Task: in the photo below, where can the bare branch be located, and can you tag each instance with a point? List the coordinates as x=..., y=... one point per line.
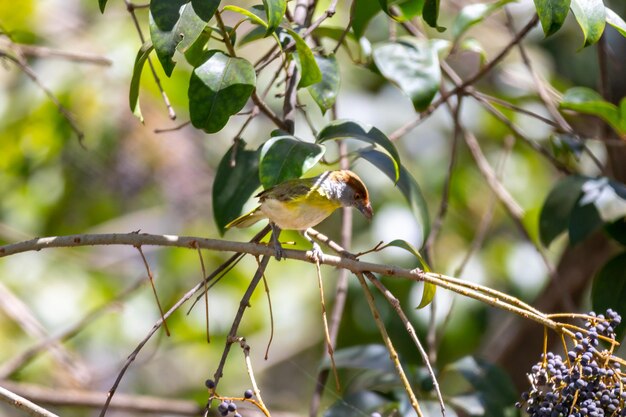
x=23, y=404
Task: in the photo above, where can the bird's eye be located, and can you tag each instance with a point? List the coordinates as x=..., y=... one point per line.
x=358, y=197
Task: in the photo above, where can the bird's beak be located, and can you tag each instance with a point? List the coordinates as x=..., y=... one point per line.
x=366, y=209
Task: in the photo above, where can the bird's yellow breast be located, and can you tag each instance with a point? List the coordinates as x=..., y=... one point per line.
x=297, y=214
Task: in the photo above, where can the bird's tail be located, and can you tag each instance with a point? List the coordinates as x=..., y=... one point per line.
x=247, y=219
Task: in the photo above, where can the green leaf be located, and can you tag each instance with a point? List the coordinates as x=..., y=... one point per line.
x=275, y=10
x=616, y=21
x=197, y=52
x=362, y=13
x=552, y=14
x=349, y=129
x=253, y=17
x=234, y=185
x=173, y=23
x=587, y=101
x=413, y=66
x=375, y=357
x=205, y=9
x=473, y=14
x=493, y=386
x=140, y=60
x=102, y=4
x=555, y=213
x=407, y=185
x=219, y=88
x=473, y=45
x=285, y=157
x=609, y=289
x=430, y=14
x=325, y=92
x=584, y=220
x=310, y=72
x=591, y=17
x=407, y=9
x=257, y=32
x=429, y=289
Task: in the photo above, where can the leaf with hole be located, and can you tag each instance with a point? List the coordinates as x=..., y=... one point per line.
x=609, y=289
x=407, y=185
x=218, y=89
x=234, y=185
x=325, y=92
x=552, y=14
x=350, y=129
x=173, y=23
x=591, y=17
x=412, y=65
x=133, y=95
x=285, y=157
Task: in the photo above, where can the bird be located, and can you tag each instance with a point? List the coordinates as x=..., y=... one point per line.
x=299, y=204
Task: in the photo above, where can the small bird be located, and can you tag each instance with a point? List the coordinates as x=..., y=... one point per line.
x=302, y=203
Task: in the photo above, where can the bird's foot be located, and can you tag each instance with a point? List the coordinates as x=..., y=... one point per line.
x=316, y=252
x=278, y=249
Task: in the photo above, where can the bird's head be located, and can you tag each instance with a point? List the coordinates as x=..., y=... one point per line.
x=351, y=191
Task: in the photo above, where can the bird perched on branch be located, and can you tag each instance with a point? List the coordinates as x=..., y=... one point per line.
x=302, y=203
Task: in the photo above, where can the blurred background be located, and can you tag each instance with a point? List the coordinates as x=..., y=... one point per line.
x=125, y=177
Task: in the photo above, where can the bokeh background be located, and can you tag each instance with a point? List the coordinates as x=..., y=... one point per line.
x=125, y=177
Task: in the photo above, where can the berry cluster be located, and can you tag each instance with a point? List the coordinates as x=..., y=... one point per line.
x=588, y=382
x=228, y=406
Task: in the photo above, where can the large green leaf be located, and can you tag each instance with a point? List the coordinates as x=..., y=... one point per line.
x=349, y=129
x=205, y=9
x=616, y=21
x=407, y=185
x=429, y=289
x=275, y=10
x=583, y=221
x=362, y=13
x=555, y=213
x=591, y=17
x=587, y=101
x=325, y=92
x=133, y=96
x=285, y=157
x=552, y=14
x=173, y=23
x=473, y=14
x=407, y=9
x=609, y=289
x=413, y=65
x=197, y=52
x=234, y=185
x=219, y=88
x=310, y=72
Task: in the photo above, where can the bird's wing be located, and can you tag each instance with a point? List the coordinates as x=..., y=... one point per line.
x=247, y=220
x=288, y=190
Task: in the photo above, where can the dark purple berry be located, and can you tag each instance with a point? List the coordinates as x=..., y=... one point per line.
x=248, y=394
x=209, y=383
x=232, y=407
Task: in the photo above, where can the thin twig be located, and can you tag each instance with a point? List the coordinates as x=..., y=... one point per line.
x=403, y=130
x=26, y=69
x=206, y=296
x=395, y=304
x=245, y=347
x=21, y=403
x=154, y=291
x=329, y=343
x=130, y=7
x=45, y=52
x=389, y=344
x=173, y=129
x=243, y=304
x=16, y=363
x=271, y=312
